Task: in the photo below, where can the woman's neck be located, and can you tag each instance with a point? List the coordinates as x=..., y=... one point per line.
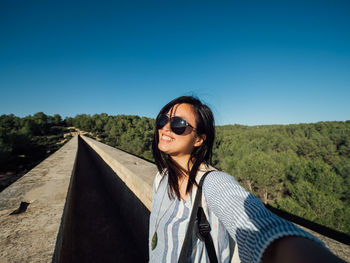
x=183, y=163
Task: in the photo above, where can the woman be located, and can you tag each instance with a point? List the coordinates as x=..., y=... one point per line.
x=182, y=150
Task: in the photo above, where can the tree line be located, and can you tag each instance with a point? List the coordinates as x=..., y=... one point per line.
x=130, y=133
x=26, y=141
x=303, y=169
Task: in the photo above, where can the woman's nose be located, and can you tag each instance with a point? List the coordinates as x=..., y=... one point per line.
x=166, y=127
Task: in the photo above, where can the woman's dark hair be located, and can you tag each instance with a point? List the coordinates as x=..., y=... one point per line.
x=204, y=125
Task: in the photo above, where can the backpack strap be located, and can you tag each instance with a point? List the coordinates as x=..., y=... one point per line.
x=203, y=226
x=204, y=235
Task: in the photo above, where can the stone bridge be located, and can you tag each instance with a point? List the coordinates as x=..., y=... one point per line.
x=88, y=202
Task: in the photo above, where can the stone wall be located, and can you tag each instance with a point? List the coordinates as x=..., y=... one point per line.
x=104, y=220
x=30, y=236
x=136, y=173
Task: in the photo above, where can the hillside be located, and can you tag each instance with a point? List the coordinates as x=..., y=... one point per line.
x=303, y=169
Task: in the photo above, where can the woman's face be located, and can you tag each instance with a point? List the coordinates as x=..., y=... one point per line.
x=179, y=146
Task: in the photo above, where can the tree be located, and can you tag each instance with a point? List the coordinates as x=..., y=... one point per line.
x=57, y=120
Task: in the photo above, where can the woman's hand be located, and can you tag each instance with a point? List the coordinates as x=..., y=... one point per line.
x=298, y=250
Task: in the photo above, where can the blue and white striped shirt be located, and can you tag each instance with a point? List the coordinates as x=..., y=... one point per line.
x=235, y=217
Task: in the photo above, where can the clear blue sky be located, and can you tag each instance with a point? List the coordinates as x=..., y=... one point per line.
x=253, y=62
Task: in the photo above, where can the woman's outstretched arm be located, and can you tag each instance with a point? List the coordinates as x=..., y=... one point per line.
x=257, y=231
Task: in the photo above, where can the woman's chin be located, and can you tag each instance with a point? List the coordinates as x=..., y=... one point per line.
x=163, y=148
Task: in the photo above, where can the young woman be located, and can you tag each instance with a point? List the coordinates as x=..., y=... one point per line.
x=182, y=149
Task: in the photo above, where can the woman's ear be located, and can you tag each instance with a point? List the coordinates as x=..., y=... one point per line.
x=200, y=139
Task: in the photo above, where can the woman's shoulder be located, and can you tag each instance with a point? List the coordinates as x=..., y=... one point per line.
x=215, y=176
x=218, y=183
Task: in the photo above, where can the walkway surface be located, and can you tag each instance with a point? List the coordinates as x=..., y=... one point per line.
x=31, y=236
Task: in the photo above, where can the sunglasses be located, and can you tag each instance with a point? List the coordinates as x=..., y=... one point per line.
x=178, y=125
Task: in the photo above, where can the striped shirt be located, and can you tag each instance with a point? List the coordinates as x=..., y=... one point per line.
x=235, y=216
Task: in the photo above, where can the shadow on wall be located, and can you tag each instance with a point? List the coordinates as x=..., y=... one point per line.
x=103, y=220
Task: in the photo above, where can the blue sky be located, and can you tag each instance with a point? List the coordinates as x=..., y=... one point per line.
x=253, y=62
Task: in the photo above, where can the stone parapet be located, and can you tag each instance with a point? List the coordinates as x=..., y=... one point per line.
x=136, y=173
x=31, y=236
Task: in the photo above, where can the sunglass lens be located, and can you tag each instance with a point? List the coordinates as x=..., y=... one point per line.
x=162, y=120
x=178, y=125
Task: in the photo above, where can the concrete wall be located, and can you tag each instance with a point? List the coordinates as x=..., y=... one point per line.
x=136, y=173
x=31, y=236
x=104, y=220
